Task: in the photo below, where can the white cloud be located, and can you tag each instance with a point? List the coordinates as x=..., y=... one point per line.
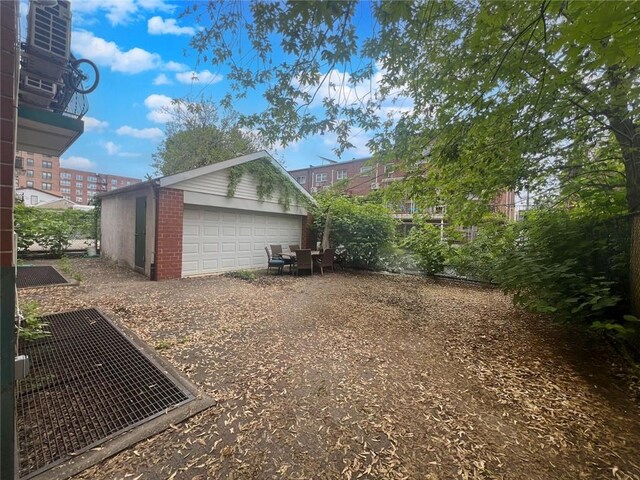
x=159, y=108
x=359, y=140
x=93, y=124
x=81, y=163
x=109, y=54
x=158, y=26
x=112, y=148
x=120, y=12
x=162, y=79
x=205, y=76
x=146, y=133
x=175, y=66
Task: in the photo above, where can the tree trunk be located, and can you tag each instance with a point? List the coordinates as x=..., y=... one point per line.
x=628, y=135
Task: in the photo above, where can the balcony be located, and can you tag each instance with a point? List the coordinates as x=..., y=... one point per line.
x=47, y=132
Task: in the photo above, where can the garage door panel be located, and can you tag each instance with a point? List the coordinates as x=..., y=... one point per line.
x=217, y=240
x=228, y=247
x=210, y=248
x=209, y=215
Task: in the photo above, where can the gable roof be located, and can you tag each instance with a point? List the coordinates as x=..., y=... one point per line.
x=22, y=189
x=216, y=167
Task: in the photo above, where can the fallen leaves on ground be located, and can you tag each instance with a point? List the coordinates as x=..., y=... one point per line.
x=358, y=376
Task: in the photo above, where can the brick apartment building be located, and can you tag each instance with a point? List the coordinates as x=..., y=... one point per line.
x=364, y=175
x=361, y=176
x=35, y=170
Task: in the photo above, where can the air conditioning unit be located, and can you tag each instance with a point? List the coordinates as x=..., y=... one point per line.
x=375, y=185
x=37, y=91
x=47, y=49
x=49, y=30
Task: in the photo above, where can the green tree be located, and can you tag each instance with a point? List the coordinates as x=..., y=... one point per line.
x=364, y=229
x=502, y=94
x=196, y=136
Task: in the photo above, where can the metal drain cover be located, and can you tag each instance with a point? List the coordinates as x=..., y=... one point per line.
x=38, y=277
x=87, y=383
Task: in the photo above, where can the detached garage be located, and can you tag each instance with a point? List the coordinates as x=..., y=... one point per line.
x=192, y=223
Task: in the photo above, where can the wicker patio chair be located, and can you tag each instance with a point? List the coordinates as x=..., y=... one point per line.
x=326, y=260
x=273, y=262
x=303, y=261
x=293, y=248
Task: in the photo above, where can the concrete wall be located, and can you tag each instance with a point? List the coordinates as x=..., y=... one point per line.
x=118, y=227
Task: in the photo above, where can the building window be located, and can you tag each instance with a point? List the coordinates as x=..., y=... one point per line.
x=65, y=175
x=92, y=179
x=47, y=164
x=79, y=200
x=47, y=186
x=366, y=168
x=103, y=180
x=129, y=183
x=34, y=199
x=29, y=173
x=90, y=195
x=65, y=183
x=79, y=178
x=30, y=162
x=29, y=184
x=65, y=190
x=79, y=185
x=301, y=180
x=114, y=181
x=67, y=197
x=47, y=175
x=321, y=177
x=341, y=175
x=92, y=186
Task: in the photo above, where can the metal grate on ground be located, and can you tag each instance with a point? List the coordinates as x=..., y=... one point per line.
x=87, y=383
x=38, y=277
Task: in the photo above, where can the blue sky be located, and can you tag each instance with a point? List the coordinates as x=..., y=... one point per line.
x=139, y=47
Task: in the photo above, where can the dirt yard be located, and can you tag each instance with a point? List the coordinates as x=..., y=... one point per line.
x=356, y=375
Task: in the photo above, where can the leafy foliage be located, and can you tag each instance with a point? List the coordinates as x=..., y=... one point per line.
x=51, y=229
x=425, y=241
x=246, y=275
x=480, y=258
x=364, y=229
x=32, y=327
x=568, y=262
x=269, y=180
x=196, y=136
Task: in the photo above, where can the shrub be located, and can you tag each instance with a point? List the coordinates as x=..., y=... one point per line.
x=425, y=241
x=243, y=275
x=365, y=229
x=32, y=327
x=51, y=229
x=479, y=259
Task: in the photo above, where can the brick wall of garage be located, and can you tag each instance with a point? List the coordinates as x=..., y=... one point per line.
x=168, y=255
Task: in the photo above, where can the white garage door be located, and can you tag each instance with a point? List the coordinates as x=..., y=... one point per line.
x=218, y=239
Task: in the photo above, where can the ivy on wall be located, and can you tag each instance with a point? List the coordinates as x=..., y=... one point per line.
x=270, y=181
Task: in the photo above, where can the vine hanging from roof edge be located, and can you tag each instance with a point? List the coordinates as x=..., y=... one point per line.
x=269, y=181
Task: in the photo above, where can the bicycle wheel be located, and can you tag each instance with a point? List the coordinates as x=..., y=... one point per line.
x=86, y=73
